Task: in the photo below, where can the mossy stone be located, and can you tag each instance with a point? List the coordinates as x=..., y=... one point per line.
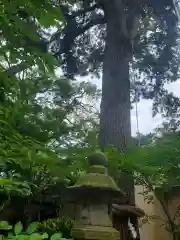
x=97, y=179
x=98, y=158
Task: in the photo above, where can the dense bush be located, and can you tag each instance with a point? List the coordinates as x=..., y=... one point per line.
x=31, y=233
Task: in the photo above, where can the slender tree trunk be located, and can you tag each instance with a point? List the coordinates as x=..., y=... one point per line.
x=115, y=121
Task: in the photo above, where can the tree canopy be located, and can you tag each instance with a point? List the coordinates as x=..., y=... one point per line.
x=81, y=42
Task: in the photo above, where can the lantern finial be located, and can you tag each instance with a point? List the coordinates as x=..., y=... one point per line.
x=98, y=158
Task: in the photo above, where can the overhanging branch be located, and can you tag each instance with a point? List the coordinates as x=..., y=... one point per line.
x=99, y=19
x=71, y=32
x=12, y=71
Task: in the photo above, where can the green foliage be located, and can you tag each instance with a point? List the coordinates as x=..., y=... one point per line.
x=11, y=186
x=5, y=226
x=24, y=44
x=47, y=122
x=156, y=167
x=61, y=224
x=31, y=233
x=157, y=162
x=25, y=161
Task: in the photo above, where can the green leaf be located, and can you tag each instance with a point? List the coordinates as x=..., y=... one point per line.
x=10, y=235
x=35, y=236
x=5, y=225
x=22, y=237
x=32, y=228
x=44, y=236
x=18, y=228
x=56, y=236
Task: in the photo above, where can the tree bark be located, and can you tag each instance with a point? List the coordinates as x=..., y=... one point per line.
x=115, y=121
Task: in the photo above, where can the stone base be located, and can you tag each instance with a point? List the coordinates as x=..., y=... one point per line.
x=95, y=233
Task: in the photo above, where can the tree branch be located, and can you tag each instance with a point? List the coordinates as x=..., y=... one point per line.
x=72, y=32
x=99, y=19
x=12, y=71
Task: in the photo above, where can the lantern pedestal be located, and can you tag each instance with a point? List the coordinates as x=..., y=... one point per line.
x=95, y=233
x=94, y=223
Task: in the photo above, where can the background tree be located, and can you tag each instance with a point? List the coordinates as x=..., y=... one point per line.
x=117, y=40
x=28, y=71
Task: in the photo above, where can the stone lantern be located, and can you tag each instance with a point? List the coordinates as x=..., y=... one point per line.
x=94, y=193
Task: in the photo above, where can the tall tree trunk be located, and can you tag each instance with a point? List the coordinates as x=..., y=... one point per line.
x=115, y=121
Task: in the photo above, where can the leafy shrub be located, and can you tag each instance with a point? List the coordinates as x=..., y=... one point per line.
x=31, y=233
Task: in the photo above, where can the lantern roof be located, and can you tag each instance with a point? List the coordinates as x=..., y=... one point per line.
x=127, y=210
x=97, y=179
